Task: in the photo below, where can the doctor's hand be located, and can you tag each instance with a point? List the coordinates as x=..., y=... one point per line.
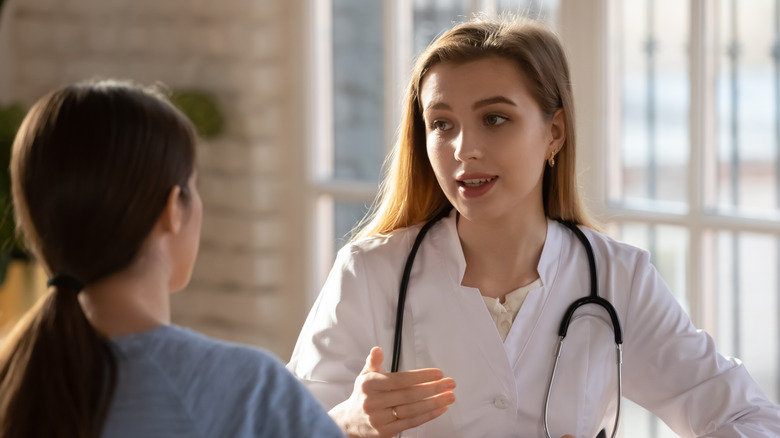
x=385, y=404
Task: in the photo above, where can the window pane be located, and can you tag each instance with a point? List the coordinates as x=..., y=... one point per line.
x=654, y=135
x=746, y=303
x=745, y=169
x=358, y=89
x=432, y=17
x=346, y=215
x=545, y=10
x=636, y=422
x=668, y=247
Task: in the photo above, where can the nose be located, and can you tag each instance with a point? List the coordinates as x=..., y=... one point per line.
x=467, y=146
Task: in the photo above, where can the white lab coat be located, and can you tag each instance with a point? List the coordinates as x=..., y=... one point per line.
x=669, y=367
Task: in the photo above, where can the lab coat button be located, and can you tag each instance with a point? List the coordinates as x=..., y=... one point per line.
x=501, y=402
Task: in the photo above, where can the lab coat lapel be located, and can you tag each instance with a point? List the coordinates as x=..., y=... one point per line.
x=528, y=318
x=476, y=325
x=453, y=330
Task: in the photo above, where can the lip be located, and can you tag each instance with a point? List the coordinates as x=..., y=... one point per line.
x=468, y=190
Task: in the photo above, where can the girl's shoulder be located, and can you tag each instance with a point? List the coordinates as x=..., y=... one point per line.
x=173, y=348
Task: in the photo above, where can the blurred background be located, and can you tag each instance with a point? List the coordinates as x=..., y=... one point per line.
x=678, y=123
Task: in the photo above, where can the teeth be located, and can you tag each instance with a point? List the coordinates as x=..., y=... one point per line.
x=476, y=182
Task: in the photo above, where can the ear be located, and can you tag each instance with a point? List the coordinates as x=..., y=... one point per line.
x=172, y=217
x=557, y=132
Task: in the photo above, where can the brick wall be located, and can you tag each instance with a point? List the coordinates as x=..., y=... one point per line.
x=249, y=279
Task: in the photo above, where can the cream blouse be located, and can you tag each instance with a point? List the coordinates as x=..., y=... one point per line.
x=504, y=314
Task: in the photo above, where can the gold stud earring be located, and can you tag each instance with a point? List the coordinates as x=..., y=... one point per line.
x=551, y=160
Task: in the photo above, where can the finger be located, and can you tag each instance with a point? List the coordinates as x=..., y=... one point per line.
x=411, y=394
x=417, y=408
x=374, y=361
x=404, y=379
x=568, y=436
x=403, y=424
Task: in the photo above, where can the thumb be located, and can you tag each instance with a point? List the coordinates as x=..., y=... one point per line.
x=374, y=361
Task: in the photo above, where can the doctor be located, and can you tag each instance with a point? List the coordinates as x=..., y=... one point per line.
x=487, y=141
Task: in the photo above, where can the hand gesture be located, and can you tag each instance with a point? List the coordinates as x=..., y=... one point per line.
x=385, y=404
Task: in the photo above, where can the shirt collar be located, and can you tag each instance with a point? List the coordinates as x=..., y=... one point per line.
x=444, y=237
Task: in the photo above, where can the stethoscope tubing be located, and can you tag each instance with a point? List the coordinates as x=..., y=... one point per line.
x=399, y=313
x=592, y=298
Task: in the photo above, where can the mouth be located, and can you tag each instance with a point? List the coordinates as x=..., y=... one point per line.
x=476, y=182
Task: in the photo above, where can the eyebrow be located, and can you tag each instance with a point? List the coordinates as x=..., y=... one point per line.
x=437, y=106
x=477, y=105
x=492, y=100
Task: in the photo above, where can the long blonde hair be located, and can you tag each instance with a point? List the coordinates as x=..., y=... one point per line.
x=409, y=193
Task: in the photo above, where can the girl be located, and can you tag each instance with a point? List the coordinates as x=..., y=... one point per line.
x=104, y=186
x=487, y=144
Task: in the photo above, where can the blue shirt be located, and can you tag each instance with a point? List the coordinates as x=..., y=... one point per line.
x=174, y=382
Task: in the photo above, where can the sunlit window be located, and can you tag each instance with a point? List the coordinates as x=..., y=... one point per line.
x=698, y=162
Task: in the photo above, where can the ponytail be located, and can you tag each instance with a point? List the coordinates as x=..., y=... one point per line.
x=91, y=170
x=57, y=374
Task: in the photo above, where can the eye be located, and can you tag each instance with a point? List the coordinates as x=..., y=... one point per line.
x=440, y=125
x=494, y=119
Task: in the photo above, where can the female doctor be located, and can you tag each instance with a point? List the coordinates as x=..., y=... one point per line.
x=487, y=144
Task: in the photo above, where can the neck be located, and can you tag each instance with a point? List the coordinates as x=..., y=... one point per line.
x=130, y=301
x=502, y=255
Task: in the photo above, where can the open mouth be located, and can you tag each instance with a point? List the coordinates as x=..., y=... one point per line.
x=476, y=182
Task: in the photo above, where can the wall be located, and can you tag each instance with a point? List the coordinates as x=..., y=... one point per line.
x=248, y=285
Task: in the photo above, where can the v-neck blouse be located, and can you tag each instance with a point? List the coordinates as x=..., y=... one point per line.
x=504, y=314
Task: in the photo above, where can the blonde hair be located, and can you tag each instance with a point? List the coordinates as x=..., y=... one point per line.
x=409, y=193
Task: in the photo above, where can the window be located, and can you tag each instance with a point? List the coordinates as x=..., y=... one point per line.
x=694, y=168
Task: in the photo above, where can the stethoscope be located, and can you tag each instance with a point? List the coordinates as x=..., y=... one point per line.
x=592, y=298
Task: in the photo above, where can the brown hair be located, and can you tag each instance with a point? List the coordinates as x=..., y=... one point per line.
x=91, y=169
x=409, y=193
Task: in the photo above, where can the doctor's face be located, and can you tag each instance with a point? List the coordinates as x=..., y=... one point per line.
x=487, y=138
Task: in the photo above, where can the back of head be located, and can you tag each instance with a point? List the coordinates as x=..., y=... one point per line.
x=410, y=193
x=92, y=167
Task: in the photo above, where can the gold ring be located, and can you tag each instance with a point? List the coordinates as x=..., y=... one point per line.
x=395, y=415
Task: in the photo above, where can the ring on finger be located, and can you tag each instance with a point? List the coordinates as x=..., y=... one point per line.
x=395, y=414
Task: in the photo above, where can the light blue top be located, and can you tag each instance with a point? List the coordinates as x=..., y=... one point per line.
x=174, y=382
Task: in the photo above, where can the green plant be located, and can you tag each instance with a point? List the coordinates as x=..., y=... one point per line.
x=202, y=110
x=11, y=246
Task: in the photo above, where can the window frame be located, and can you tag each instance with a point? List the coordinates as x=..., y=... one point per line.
x=588, y=30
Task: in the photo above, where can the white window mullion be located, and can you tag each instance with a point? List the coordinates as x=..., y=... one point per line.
x=702, y=129
x=321, y=78
x=321, y=153
x=398, y=29
x=584, y=30
x=609, y=176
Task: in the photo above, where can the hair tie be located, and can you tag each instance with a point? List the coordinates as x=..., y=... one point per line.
x=65, y=282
